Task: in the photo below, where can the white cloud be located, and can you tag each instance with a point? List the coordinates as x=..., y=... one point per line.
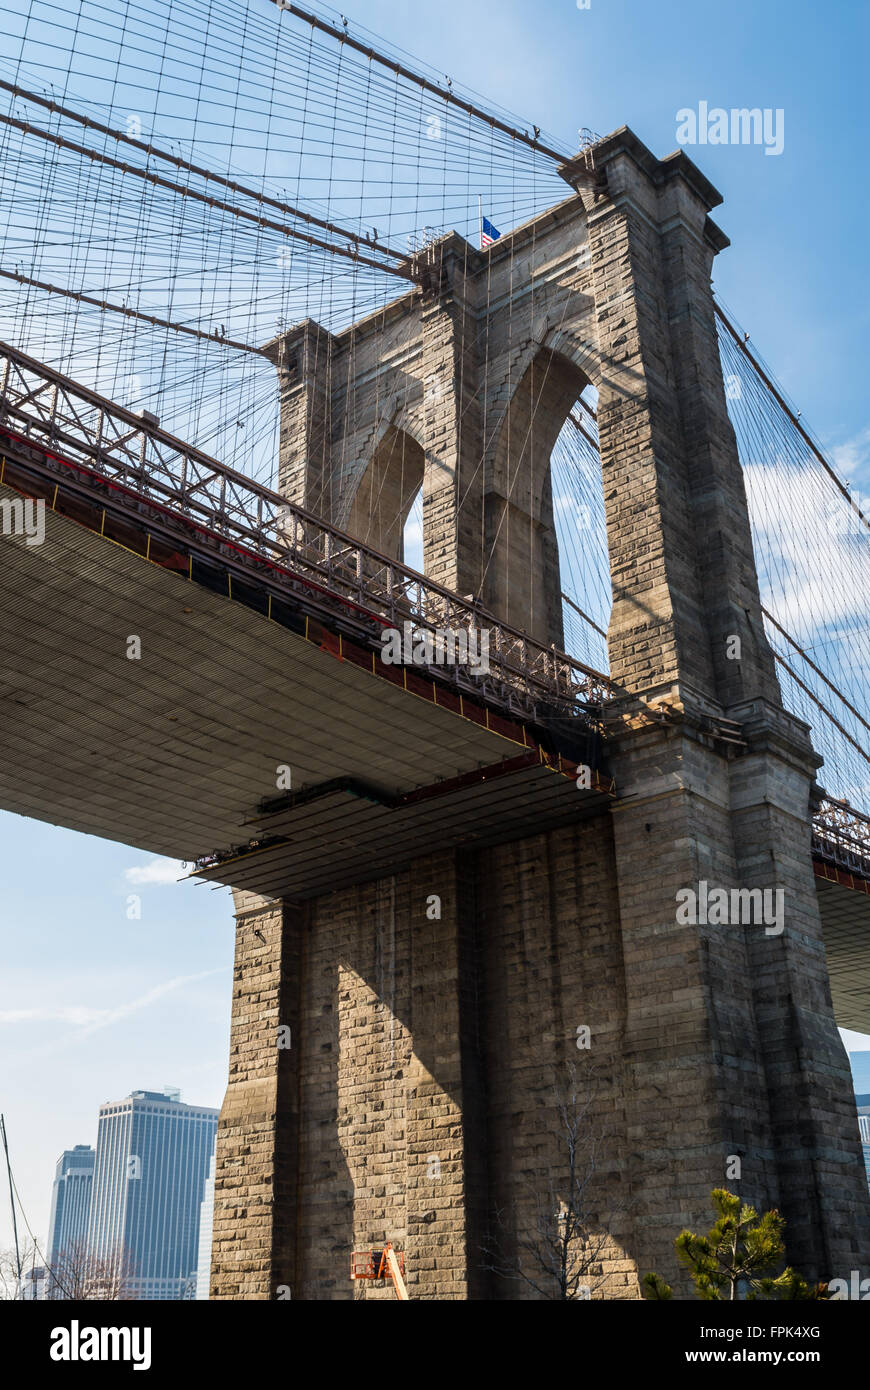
x=806, y=552
x=77, y=1015
x=852, y=459
x=155, y=871
x=89, y=1020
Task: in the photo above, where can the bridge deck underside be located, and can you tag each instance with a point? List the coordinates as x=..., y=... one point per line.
x=175, y=751
x=343, y=838
x=846, y=925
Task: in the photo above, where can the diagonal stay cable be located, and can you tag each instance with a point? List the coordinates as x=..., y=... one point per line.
x=350, y=252
x=783, y=404
x=585, y=616
x=829, y=683
x=445, y=93
x=154, y=151
x=816, y=701
x=107, y=307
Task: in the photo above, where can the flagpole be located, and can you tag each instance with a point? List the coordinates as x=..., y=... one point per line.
x=480, y=218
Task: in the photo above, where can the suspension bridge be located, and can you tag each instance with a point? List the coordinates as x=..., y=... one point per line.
x=276, y=400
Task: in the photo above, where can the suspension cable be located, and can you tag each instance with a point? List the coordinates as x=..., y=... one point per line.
x=808, y=659
x=445, y=93
x=351, y=252
x=780, y=400
x=107, y=307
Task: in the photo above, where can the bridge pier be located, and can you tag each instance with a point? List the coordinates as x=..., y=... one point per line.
x=736, y=1075
x=415, y=1101
x=362, y=1125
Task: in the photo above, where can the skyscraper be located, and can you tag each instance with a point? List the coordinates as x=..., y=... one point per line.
x=152, y=1158
x=206, y=1226
x=70, y=1201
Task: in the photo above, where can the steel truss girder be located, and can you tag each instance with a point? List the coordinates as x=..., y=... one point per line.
x=129, y=451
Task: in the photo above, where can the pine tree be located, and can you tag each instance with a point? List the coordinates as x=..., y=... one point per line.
x=737, y=1257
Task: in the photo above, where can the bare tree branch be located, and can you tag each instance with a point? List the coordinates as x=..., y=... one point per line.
x=79, y=1274
x=555, y=1241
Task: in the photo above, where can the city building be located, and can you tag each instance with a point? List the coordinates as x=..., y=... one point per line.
x=206, y=1224
x=152, y=1159
x=33, y=1284
x=70, y=1202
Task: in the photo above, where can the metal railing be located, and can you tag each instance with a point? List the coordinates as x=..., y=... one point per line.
x=45, y=407
x=842, y=835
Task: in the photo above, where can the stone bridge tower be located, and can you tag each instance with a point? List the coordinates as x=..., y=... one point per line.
x=417, y=1098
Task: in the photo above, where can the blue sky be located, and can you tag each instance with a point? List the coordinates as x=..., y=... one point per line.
x=796, y=269
x=93, y=1004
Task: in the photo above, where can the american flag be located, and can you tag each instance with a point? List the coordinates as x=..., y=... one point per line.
x=488, y=233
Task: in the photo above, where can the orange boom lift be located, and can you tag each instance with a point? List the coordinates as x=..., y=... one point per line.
x=364, y=1264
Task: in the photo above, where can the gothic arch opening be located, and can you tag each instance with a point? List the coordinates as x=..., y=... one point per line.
x=387, y=492
x=547, y=565
x=581, y=534
x=412, y=535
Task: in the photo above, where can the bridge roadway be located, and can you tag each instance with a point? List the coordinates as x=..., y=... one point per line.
x=260, y=630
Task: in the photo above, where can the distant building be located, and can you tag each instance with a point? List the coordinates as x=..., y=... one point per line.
x=33, y=1284
x=860, y=1066
x=152, y=1159
x=864, y=1127
x=206, y=1225
x=70, y=1202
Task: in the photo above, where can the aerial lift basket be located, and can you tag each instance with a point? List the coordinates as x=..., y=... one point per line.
x=389, y=1263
